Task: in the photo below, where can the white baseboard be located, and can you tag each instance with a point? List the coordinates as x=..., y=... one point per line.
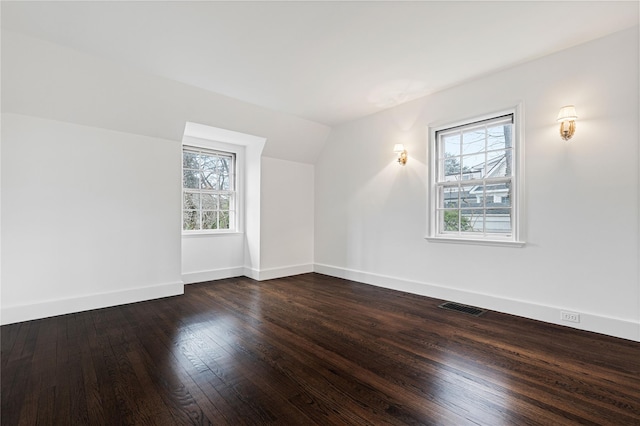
x=286, y=271
x=616, y=327
x=214, y=274
x=280, y=272
x=252, y=273
x=13, y=314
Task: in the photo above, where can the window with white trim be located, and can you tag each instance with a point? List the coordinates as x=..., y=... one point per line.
x=474, y=186
x=208, y=190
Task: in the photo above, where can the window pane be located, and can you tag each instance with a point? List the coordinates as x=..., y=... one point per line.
x=472, y=220
x=498, y=221
x=499, y=163
x=224, y=164
x=209, y=202
x=208, y=163
x=448, y=197
x=190, y=179
x=189, y=160
x=208, y=180
x=450, y=220
x=209, y=220
x=476, y=196
x=496, y=137
x=451, y=146
x=190, y=220
x=469, y=197
x=451, y=169
x=224, y=183
x=224, y=202
x=473, y=141
x=498, y=195
x=191, y=201
x=225, y=172
x=473, y=164
x=224, y=220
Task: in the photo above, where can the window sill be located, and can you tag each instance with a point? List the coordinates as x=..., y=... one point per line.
x=210, y=234
x=480, y=242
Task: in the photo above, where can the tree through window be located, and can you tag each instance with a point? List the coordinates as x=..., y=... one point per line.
x=209, y=193
x=474, y=181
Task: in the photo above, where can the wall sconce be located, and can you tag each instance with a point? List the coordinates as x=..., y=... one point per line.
x=402, y=153
x=567, y=119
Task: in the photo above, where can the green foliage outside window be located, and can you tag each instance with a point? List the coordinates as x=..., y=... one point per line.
x=452, y=219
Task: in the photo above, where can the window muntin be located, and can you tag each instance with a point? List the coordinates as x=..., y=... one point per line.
x=474, y=180
x=208, y=190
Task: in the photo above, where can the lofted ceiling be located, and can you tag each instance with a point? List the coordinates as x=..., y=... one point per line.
x=328, y=62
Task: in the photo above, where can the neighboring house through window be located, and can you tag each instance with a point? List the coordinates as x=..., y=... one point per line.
x=475, y=183
x=208, y=190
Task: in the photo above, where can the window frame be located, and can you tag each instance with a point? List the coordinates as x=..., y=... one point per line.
x=233, y=192
x=516, y=237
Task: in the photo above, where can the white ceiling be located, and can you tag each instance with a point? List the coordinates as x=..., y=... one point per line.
x=329, y=62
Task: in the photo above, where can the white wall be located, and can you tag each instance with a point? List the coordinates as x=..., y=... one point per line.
x=208, y=257
x=286, y=218
x=87, y=104
x=90, y=218
x=581, y=198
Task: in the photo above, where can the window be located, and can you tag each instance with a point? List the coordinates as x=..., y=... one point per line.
x=208, y=190
x=474, y=187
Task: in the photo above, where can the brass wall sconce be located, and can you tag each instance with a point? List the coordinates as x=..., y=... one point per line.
x=567, y=119
x=402, y=153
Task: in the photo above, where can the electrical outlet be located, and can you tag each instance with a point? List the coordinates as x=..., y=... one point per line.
x=569, y=316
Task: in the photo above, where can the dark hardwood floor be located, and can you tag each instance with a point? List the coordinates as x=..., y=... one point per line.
x=308, y=350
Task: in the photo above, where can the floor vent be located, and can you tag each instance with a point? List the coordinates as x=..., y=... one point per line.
x=476, y=312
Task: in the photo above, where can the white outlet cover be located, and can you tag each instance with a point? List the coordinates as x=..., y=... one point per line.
x=570, y=316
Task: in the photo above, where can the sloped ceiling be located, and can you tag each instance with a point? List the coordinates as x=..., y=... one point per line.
x=328, y=62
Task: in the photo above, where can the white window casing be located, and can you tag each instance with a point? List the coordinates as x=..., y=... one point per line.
x=209, y=191
x=476, y=175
